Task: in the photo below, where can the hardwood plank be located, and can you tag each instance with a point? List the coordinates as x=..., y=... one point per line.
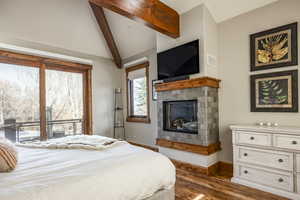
x=104, y=26
x=151, y=13
x=226, y=189
x=190, y=191
x=192, y=83
x=203, y=150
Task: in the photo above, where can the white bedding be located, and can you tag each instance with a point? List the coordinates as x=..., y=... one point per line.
x=123, y=172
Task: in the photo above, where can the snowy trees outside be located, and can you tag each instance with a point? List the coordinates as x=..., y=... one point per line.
x=140, y=97
x=19, y=95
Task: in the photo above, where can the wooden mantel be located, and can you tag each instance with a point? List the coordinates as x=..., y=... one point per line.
x=198, y=149
x=191, y=83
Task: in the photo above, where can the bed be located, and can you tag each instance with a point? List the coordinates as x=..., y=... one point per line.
x=124, y=172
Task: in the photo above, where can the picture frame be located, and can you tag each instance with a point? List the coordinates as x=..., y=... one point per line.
x=154, y=93
x=274, y=92
x=277, y=47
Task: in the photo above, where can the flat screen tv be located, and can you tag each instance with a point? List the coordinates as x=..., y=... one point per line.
x=179, y=61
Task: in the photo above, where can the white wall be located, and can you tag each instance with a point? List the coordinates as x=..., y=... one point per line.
x=66, y=27
x=140, y=132
x=210, y=37
x=191, y=28
x=195, y=24
x=67, y=24
x=106, y=77
x=235, y=68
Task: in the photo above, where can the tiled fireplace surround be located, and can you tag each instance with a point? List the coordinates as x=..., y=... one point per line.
x=208, y=115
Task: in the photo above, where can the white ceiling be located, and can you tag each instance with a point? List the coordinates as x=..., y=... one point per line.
x=220, y=9
x=182, y=6
x=133, y=38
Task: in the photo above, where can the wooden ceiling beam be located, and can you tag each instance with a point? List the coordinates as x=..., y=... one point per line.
x=104, y=26
x=152, y=13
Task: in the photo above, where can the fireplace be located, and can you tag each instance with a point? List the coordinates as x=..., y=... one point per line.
x=188, y=115
x=180, y=116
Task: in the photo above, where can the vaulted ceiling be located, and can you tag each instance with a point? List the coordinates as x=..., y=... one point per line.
x=220, y=9
x=70, y=24
x=133, y=37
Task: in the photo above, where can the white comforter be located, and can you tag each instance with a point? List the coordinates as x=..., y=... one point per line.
x=123, y=172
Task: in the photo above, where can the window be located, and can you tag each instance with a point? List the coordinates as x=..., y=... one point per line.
x=43, y=98
x=64, y=103
x=138, y=93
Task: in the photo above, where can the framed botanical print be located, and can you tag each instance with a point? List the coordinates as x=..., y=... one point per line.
x=275, y=92
x=274, y=48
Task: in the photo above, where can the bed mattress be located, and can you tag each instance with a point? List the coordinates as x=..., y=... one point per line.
x=123, y=172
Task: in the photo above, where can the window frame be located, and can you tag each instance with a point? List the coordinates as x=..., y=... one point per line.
x=43, y=64
x=129, y=95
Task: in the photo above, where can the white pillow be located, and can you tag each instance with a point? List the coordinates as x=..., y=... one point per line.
x=8, y=155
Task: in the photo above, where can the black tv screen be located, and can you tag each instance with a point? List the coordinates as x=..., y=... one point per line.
x=179, y=61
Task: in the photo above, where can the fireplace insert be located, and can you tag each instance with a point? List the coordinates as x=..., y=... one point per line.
x=181, y=116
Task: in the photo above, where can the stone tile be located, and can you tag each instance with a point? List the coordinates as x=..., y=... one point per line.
x=208, y=116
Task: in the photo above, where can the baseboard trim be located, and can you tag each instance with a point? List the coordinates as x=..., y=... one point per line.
x=215, y=169
x=144, y=146
x=198, y=149
x=211, y=170
x=225, y=168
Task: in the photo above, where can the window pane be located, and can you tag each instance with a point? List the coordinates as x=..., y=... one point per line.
x=139, y=97
x=19, y=102
x=64, y=99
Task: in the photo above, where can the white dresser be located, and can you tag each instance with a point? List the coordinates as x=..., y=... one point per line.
x=268, y=158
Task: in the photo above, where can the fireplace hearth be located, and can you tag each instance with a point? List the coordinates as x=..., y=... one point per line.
x=181, y=116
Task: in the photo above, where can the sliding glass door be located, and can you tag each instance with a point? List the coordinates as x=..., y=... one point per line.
x=43, y=98
x=19, y=102
x=64, y=103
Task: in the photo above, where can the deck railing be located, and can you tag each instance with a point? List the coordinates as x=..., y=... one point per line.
x=12, y=129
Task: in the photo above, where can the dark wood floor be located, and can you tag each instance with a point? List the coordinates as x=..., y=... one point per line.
x=190, y=186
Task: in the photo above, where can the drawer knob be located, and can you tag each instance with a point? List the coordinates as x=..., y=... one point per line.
x=245, y=154
x=280, y=160
x=280, y=180
x=246, y=172
x=252, y=138
x=294, y=142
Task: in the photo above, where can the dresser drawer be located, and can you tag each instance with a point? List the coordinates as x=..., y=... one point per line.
x=287, y=142
x=266, y=177
x=262, y=139
x=274, y=159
